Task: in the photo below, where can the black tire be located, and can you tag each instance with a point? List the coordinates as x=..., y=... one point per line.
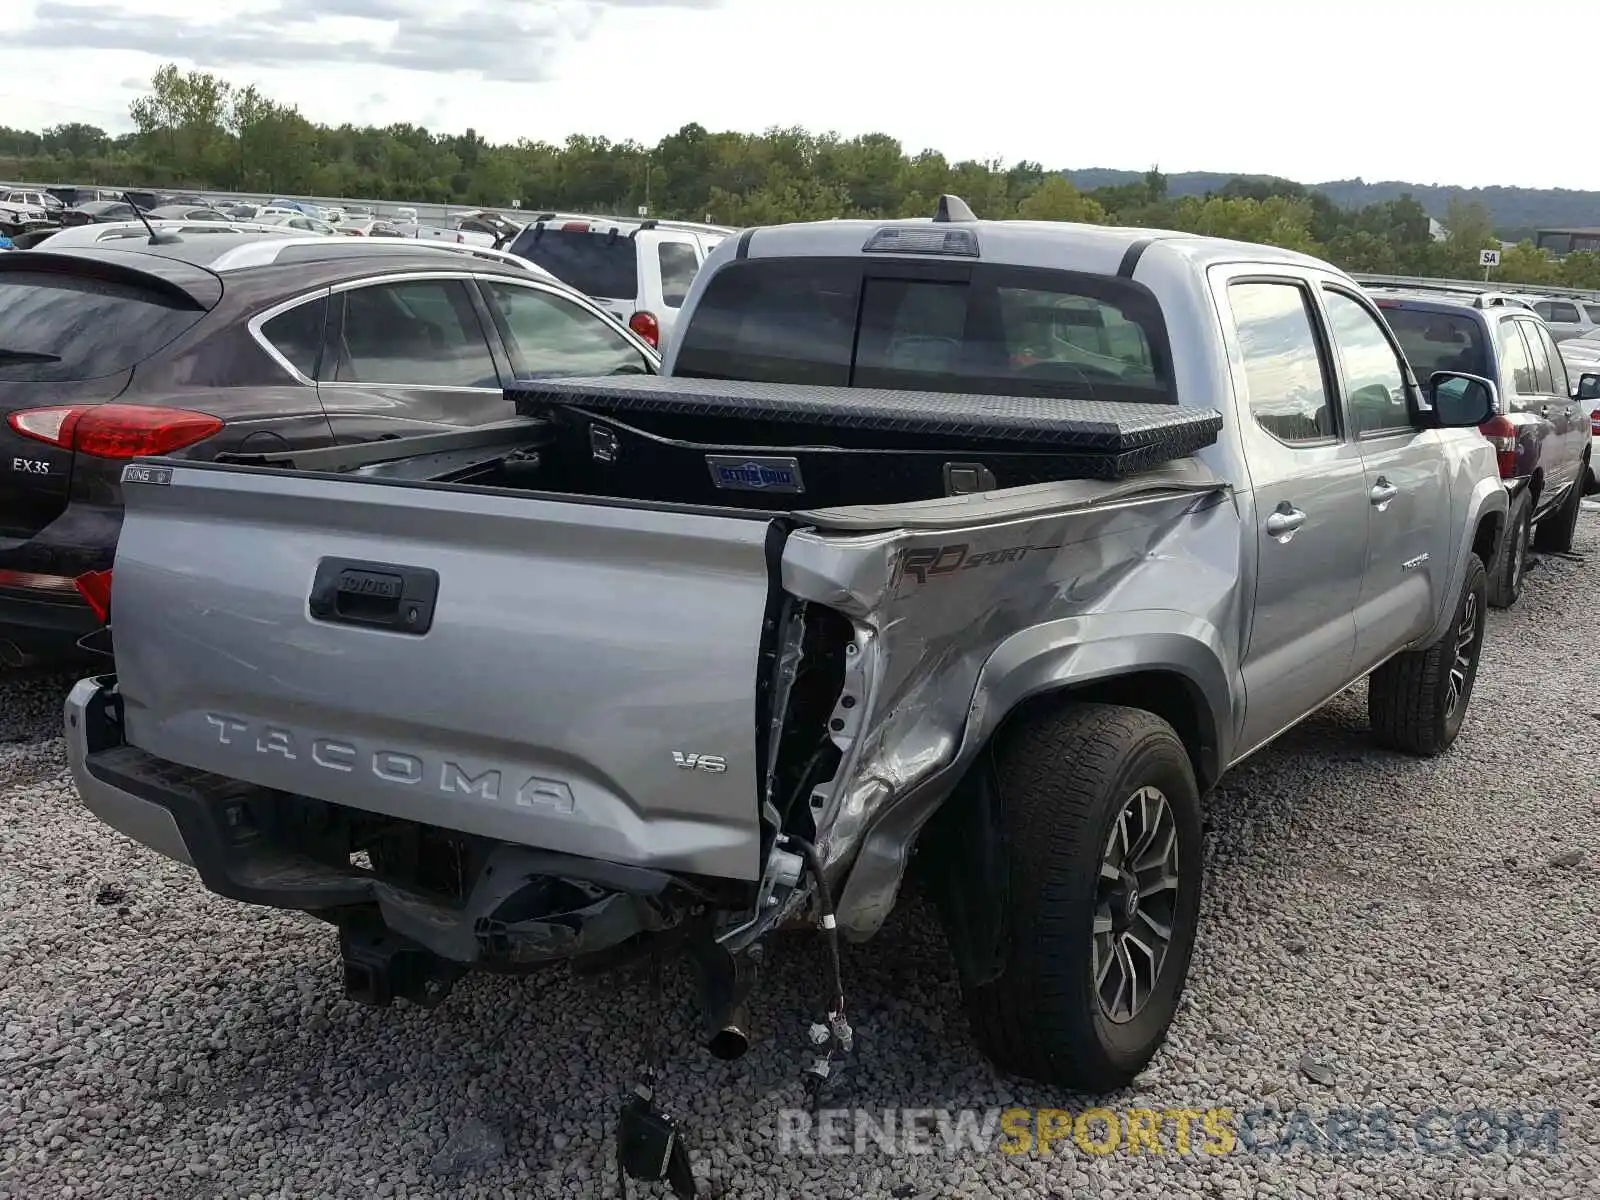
x=1410, y=701
x=1064, y=779
x=1510, y=568
x=1555, y=533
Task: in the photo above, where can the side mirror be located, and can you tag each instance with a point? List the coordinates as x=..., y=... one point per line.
x=1589, y=387
x=1462, y=401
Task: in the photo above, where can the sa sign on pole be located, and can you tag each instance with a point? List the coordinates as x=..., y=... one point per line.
x=1488, y=258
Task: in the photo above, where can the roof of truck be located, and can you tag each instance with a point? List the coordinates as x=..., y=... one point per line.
x=1094, y=248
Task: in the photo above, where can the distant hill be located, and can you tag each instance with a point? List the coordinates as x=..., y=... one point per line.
x=1516, y=211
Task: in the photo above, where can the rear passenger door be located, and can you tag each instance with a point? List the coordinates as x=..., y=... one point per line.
x=1308, y=500
x=546, y=335
x=1409, y=523
x=409, y=354
x=1526, y=385
x=1570, y=424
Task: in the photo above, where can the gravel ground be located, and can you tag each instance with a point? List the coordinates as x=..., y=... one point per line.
x=1379, y=933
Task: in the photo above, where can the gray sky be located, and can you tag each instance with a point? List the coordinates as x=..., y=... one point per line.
x=1310, y=89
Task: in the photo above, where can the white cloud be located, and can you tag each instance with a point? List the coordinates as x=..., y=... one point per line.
x=1313, y=91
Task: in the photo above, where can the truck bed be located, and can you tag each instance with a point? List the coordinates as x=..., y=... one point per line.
x=581, y=674
x=762, y=447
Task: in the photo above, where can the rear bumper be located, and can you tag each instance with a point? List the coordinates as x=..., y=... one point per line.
x=224, y=829
x=42, y=626
x=41, y=613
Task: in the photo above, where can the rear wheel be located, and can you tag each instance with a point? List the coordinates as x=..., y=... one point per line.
x=1101, y=824
x=1505, y=584
x=1555, y=533
x=1418, y=700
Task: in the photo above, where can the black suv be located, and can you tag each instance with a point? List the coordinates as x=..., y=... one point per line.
x=1541, y=434
x=203, y=344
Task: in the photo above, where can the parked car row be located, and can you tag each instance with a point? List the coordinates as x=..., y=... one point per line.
x=748, y=639
x=227, y=337
x=1542, y=429
x=640, y=271
x=1567, y=317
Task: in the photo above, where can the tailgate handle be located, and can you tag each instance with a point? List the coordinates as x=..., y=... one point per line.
x=377, y=595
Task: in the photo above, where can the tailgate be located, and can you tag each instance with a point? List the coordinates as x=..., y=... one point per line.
x=583, y=666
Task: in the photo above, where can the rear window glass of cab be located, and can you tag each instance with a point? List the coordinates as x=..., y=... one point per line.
x=982, y=328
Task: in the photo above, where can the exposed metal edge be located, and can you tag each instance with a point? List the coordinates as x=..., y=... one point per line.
x=1182, y=477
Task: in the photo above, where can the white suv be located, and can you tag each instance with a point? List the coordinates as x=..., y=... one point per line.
x=25, y=207
x=638, y=270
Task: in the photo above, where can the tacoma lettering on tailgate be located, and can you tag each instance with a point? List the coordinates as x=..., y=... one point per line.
x=391, y=766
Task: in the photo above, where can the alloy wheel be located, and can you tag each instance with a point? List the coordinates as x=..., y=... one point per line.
x=1136, y=899
x=1519, y=554
x=1461, y=665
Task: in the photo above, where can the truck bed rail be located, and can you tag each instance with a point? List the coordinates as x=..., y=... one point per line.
x=499, y=434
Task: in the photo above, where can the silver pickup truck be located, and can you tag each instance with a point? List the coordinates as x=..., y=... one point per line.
x=963, y=550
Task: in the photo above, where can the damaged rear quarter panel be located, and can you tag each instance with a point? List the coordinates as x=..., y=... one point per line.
x=955, y=626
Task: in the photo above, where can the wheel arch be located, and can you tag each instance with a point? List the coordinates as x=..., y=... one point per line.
x=1167, y=663
x=1486, y=538
x=1487, y=508
x=959, y=852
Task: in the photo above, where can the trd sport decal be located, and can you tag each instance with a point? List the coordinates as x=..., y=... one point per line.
x=937, y=561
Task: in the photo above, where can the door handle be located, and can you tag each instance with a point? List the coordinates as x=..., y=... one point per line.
x=1284, y=520
x=1382, y=492
x=377, y=595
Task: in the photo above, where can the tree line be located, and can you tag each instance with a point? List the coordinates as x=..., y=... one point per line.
x=195, y=130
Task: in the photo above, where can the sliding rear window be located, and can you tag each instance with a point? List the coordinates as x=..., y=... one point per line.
x=930, y=327
x=61, y=328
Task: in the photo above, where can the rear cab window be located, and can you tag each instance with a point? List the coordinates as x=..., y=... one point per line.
x=63, y=328
x=983, y=328
x=600, y=264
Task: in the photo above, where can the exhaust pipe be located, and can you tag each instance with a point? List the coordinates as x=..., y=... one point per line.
x=725, y=984
x=731, y=1041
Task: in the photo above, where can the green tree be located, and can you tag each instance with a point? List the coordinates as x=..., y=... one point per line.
x=1057, y=200
x=195, y=129
x=1275, y=221
x=1526, y=264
